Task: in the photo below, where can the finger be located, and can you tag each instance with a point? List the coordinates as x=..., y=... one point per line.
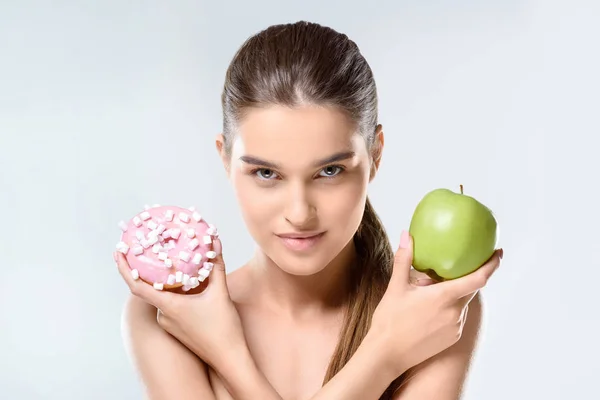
x=463, y=317
x=423, y=282
x=138, y=287
x=162, y=318
x=468, y=285
x=466, y=300
x=403, y=259
x=218, y=274
x=420, y=279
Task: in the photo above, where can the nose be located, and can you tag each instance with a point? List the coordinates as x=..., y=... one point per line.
x=300, y=212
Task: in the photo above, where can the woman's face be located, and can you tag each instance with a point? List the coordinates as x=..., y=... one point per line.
x=300, y=176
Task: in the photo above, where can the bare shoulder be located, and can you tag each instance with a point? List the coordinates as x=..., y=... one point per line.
x=443, y=376
x=166, y=367
x=239, y=284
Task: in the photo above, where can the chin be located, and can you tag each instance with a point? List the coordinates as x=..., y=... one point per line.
x=299, y=267
x=303, y=263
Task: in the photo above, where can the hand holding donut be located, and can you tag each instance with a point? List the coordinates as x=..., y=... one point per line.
x=196, y=311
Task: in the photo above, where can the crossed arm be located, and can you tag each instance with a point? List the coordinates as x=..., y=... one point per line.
x=170, y=370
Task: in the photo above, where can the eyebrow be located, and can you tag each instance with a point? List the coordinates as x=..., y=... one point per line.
x=341, y=156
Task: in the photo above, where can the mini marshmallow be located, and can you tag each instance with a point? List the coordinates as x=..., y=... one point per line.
x=184, y=256
x=135, y=274
x=147, y=207
x=171, y=279
x=211, y=254
x=145, y=244
x=123, y=247
x=207, y=239
x=152, y=239
x=158, y=286
x=171, y=245
x=145, y=216
x=175, y=232
x=186, y=288
x=160, y=229
x=155, y=205
x=186, y=279
x=139, y=235
x=197, y=258
x=208, y=266
x=152, y=225
x=169, y=214
x=166, y=234
x=123, y=226
x=137, y=250
x=194, y=282
x=156, y=248
x=178, y=276
x=197, y=217
x=211, y=231
x=203, y=274
x=190, y=233
x=162, y=256
x=137, y=221
x=192, y=208
x=184, y=217
x=193, y=244
x=168, y=263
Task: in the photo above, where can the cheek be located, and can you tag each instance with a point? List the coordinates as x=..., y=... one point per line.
x=256, y=208
x=342, y=209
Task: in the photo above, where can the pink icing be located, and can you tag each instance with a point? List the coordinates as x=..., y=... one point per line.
x=154, y=270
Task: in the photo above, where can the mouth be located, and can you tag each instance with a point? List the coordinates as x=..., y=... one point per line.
x=301, y=241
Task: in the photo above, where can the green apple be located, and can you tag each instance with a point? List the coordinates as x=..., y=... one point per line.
x=453, y=234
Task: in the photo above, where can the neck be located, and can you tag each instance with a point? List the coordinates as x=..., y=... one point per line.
x=303, y=296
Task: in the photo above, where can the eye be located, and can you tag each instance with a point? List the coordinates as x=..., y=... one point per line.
x=331, y=171
x=264, y=173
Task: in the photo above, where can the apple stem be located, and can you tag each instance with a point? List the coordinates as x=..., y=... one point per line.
x=461, y=189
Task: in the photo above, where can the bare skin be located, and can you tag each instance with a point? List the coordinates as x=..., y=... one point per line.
x=296, y=374
x=293, y=353
x=291, y=302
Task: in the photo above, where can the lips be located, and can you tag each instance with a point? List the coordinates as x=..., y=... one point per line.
x=301, y=241
x=299, y=235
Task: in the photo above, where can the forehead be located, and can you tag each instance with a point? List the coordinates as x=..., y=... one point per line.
x=287, y=135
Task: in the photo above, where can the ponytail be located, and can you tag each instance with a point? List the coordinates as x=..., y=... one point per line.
x=369, y=281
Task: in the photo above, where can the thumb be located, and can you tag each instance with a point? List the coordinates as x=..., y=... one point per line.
x=403, y=259
x=218, y=273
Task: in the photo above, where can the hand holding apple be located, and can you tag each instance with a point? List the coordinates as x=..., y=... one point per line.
x=454, y=234
x=415, y=322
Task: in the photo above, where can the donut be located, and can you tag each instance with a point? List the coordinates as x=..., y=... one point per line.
x=168, y=247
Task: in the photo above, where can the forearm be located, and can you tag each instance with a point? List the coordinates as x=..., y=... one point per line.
x=242, y=378
x=364, y=377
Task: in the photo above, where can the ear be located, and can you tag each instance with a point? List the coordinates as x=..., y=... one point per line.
x=220, y=145
x=376, y=151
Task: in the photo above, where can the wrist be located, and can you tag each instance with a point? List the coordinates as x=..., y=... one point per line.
x=388, y=360
x=241, y=377
x=365, y=376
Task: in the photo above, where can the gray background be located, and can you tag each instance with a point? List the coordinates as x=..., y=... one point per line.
x=499, y=96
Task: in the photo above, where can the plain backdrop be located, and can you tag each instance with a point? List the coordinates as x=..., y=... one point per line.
x=109, y=105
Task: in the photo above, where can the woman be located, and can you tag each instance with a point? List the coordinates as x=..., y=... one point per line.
x=325, y=309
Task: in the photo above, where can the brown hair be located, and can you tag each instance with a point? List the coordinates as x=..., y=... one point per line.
x=294, y=64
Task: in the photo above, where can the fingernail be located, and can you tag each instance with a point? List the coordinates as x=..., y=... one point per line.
x=404, y=240
x=501, y=253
